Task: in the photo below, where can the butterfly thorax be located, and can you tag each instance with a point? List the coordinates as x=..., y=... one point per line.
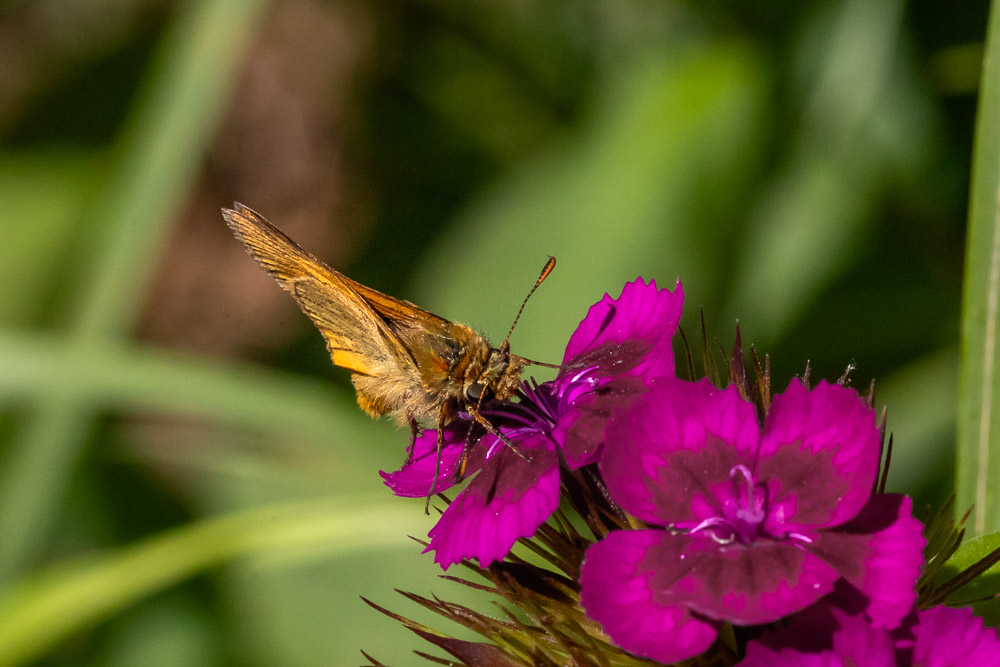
x=460, y=365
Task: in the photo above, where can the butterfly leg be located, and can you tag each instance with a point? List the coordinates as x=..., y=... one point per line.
x=485, y=423
x=414, y=430
x=466, y=447
x=437, y=464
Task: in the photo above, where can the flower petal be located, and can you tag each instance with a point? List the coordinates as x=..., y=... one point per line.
x=739, y=583
x=946, y=636
x=414, y=479
x=509, y=499
x=851, y=641
x=665, y=458
x=938, y=637
x=759, y=655
x=580, y=430
x=858, y=642
x=617, y=590
x=631, y=334
x=880, y=552
x=820, y=450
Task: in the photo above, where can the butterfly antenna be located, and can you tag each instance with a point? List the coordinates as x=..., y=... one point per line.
x=546, y=270
x=532, y=362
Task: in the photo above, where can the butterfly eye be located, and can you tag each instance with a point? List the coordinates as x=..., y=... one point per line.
x=474, y=392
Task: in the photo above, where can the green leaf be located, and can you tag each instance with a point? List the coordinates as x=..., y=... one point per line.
x=968, y=554
x=978, y=462
x=989, y=611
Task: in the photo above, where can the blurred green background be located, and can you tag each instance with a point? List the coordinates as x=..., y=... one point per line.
x=184, y=478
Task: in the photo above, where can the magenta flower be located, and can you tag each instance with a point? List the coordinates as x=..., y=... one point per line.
x=938, y=637
x=620, y=346
x=756, y=524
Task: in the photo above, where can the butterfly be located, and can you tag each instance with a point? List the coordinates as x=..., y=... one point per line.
x=405, y=361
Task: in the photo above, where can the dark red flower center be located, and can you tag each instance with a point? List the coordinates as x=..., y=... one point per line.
x=743, y=514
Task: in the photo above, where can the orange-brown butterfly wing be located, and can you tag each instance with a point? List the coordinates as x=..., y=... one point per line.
x=399, y=313
x=357, y=337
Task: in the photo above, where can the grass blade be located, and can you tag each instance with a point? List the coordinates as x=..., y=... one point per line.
x=978, y=459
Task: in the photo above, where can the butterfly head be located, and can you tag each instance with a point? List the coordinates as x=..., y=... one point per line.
x=499, y=377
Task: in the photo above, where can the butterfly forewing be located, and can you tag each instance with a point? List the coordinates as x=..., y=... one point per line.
x=363, y=345
x=357, y=338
